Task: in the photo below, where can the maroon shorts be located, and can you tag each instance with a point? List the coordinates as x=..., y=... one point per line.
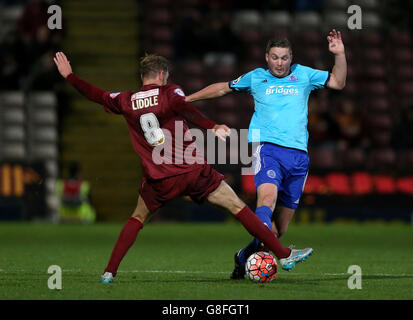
x=197, y=184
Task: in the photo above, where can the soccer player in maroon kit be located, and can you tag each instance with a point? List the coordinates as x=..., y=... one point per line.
x=151, y=113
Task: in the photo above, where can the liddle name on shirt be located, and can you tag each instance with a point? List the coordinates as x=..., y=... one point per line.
x=145, y=99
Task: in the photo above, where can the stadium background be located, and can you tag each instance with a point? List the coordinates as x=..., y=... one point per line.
x=361, y=141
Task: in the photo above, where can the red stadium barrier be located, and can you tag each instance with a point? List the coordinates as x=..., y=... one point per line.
x=362, y=183
x=315, y=185
x=247, y=184
x=405, y=185
x=384, y=184
x=338, y=183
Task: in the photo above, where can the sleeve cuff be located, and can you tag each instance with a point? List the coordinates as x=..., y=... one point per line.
x=230, y=86
x=210, y=125
x=71, y=78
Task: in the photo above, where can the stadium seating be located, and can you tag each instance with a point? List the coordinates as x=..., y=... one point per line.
x=404, y=72
x=371, y=38
x=28, y=134
x=371, y=20
x=353, y=159
x=252, y=37
x=306, y=20
x=246, y=19
x=400, y=38
x=160, y=16
x=12, y=126
x=382, y=160
x=374, y=104
x=323, y=158
x=405, y=161
x=337, y=5
x=8, y=17
x=370, y=5
x=276, y=19
x=335, y=19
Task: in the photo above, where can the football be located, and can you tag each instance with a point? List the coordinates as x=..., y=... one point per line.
x=261, y=267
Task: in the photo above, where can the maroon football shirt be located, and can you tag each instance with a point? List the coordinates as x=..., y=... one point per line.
x=156, y=117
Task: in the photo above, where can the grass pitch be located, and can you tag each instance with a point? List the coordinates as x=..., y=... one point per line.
x=193, y=261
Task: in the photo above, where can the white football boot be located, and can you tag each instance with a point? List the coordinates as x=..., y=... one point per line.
x=107, y=277
x=295, y=257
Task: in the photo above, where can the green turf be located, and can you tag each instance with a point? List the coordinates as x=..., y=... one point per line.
x=193, y=261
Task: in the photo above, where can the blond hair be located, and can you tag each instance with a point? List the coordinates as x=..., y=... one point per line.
x=152, y=64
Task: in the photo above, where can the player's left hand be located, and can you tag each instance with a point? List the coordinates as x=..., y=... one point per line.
x=63, y=65
x=335, y=43
x=221, y=131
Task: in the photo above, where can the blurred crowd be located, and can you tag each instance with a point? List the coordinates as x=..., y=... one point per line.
x=366, y=126
x=27, y=46
x=205, y=32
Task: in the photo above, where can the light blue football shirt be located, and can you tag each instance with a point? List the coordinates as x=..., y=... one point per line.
x=281, y=104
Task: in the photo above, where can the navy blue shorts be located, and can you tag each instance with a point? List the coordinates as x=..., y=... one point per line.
x=285, y=167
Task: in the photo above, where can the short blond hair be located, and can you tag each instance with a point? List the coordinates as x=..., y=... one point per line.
x=152, y=64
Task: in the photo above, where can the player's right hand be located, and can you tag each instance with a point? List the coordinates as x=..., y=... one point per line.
x=221, y=131
x=335, y=42
x=63, y=65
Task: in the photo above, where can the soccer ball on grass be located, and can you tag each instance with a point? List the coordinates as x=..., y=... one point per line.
x=261, y=267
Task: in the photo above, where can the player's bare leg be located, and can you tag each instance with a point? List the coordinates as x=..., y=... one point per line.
x=267, y=195
x=141, y=211
x=126, y=239
x=281, y=219
x=226, y=198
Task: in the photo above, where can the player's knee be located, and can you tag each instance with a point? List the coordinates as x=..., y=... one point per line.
x=141, y=216
x=236, y=205
x=225, y=197
x=267, y=200
x=139, y=219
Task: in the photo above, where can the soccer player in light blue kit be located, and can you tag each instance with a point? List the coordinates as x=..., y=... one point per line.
x=281, y=165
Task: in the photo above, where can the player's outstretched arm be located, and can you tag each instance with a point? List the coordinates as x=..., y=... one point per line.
x=339, y=73
x=89, y=91
x=215, y=90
